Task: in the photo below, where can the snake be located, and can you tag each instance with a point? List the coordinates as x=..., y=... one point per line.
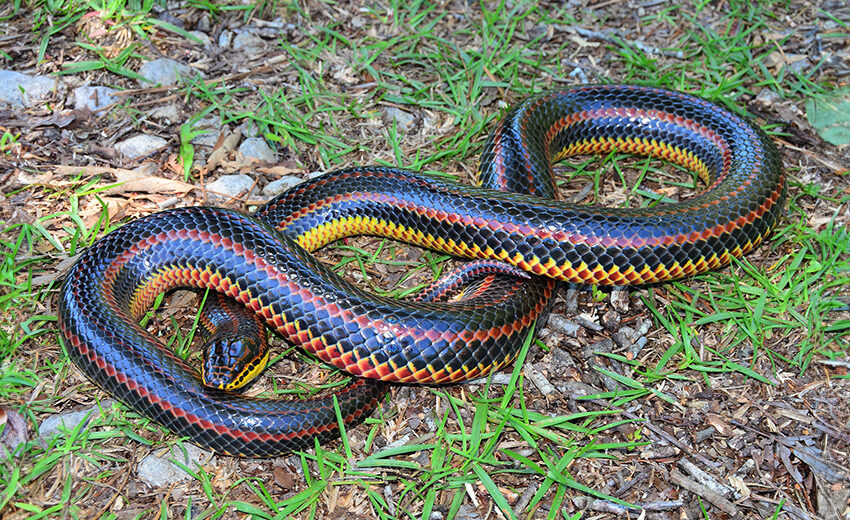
x=512, y=215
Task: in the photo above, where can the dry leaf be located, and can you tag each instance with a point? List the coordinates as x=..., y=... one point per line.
x=130, y=180
x=134, y=181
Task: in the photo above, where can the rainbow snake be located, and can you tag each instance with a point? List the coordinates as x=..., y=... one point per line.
x=262, y=261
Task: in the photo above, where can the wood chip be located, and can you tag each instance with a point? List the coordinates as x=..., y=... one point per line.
x=678, y=478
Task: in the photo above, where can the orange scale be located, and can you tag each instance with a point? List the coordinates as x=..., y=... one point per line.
x=403, y=373
x=347, y=358
x=317, y=344
x=383, y=371
x=365, y=365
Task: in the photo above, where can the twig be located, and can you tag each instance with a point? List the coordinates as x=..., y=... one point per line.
x=614, y=36
x=703, y=491
x=791, y=509
x=704, y=478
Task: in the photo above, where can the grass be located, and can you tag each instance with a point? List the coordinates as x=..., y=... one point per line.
x=455, y=72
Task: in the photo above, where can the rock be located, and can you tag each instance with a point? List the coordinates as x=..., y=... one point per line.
x=224, y=39
x=204, y=23
x=248, y=42
x=169, y=113
x=403, y=120
x=22, y=90
x=14, y=430
x=231, y=186
x=280, y=185
x=160, y=470
x=255, y=149
x=767, y=98
x=55, y=424
x=249, y=129
x=140, y=145
x=93, y=99
x=164, y=71
x=206, y=41
x=212, y=129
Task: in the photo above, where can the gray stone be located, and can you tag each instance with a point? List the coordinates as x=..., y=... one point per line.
x=54, y=424
x=206, y=41
x=169, y=113
x=140, y=145
x=279, y=186
x=164, y=71
x=162, y=470
x=255, y=149
x=403, y=120
x=22, y=90
x=231, y=186
x=93, y=98
x=249, y=128
x=224, y=39
x=248, y=42
x=767, y=97
x=57, y=423
x=204, y=23
x=212, y=129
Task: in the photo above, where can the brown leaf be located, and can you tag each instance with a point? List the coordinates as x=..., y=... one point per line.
x=137, y=182
x=130, y=180
x=283, y=478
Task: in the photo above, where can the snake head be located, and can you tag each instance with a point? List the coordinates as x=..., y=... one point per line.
x=231, y=362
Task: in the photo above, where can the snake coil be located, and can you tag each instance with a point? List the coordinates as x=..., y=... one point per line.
x=263, y=261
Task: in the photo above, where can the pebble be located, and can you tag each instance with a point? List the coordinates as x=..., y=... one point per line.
x=56, y=423
x=403, y=120
x=164, y=71
x=140, y=145
x=14, y=432
x=211, y=125
x=767, y=97
x=167, y=113
x=231, y=186
x=248, y=43
x=280, y=185
x=93, y=99
x=159, y=470
x=35, y=88
x=206, y=41
x=224, y=39
x=204, y=24
x=255, y=149
x=249, y=129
